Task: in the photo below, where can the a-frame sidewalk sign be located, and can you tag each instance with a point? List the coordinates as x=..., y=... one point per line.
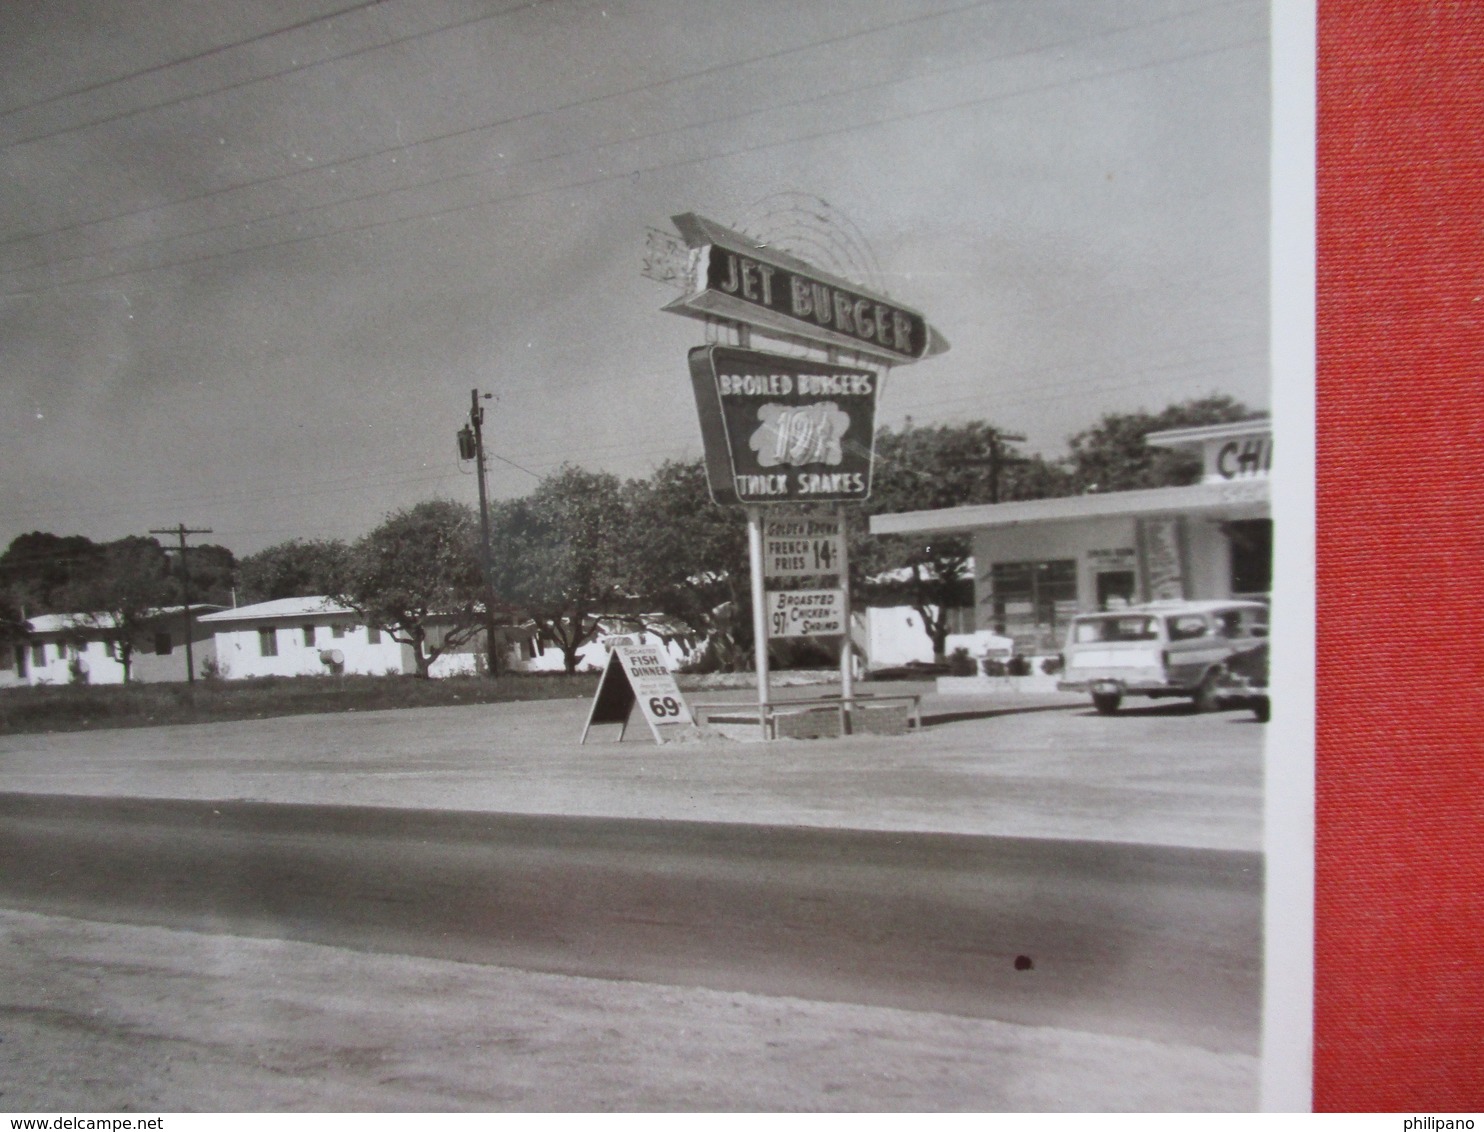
x=639, y=674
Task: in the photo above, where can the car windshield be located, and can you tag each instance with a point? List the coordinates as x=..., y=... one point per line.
x=1090, y=630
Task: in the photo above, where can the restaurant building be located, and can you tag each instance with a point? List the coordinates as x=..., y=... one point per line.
x=1038, y=562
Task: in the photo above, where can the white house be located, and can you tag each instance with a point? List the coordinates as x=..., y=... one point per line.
x=314, y=636
x=301, y=636
x=69, y=648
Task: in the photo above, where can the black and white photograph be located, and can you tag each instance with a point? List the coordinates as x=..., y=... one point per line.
x=642, y=555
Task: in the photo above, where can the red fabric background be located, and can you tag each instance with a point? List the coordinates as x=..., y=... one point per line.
x=1399, y=941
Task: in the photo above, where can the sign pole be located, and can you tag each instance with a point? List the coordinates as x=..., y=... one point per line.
x=759, y=611
x=847, y=657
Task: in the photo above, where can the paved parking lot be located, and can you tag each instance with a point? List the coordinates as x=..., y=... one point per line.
x=1043, y=766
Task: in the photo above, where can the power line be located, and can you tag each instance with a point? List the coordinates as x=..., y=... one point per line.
x=627, y=173
x=359, y=480
x=513, y=464
x=995, y=395
x=336, y=165
x=339, y=163
x=371, y=477
x=125, y=114
x=1183, y=283
x=1071, y=389
x=871, y=84
x=1082, y=390
x=247, y=489
x=682, y=451
x=1178, y=360
x=103, y=84
x=220, y=501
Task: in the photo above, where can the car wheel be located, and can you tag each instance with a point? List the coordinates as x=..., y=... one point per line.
x=1261, y=709
x=1206, y=698
x=1106, y=702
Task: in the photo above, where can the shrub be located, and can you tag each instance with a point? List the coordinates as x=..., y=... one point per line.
x=960, y=663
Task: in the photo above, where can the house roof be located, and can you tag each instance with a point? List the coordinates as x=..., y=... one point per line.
x=280, y=608
x=65, y=622
x=1246, y=495
x=73, y=622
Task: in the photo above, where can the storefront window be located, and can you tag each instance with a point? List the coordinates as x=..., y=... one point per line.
x=1033, y=601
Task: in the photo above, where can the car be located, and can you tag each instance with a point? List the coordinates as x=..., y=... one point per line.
x=1165, y=648
x=1244, y=682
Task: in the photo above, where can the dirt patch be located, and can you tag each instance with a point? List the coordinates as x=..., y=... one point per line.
x=100, y=1017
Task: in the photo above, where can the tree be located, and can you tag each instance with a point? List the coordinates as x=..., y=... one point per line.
x=686, y=556
x=123, y=599
x=13, y=628
x=212, y=570
x=928, y=468
x=417, y=578
x=38, y=569
x=1112, y=455
x=556, y=554
x=297, y=568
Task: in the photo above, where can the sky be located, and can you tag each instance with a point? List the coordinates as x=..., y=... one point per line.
x=254, y=254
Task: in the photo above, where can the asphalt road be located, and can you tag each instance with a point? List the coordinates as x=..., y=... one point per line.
x=1149, y=941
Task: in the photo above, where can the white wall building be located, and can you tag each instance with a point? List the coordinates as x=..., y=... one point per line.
x=313, y=636
x=301, y=636
x=1038, y=562
x=73, y=647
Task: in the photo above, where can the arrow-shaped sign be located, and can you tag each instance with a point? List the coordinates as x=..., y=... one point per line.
x=734, y=278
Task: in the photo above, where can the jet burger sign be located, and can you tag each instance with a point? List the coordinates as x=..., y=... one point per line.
x=783, y=430
x=731, y=277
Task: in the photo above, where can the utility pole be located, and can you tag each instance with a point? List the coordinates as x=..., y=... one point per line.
x=471, y=447
x=997, y=460
x=180, y=530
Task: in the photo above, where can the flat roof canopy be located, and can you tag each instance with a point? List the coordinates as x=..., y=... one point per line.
x=1199, y=435
x=1250, y=497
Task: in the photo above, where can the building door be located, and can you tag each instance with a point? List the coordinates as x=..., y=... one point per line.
x=1116, y=589
x=1251, y=547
